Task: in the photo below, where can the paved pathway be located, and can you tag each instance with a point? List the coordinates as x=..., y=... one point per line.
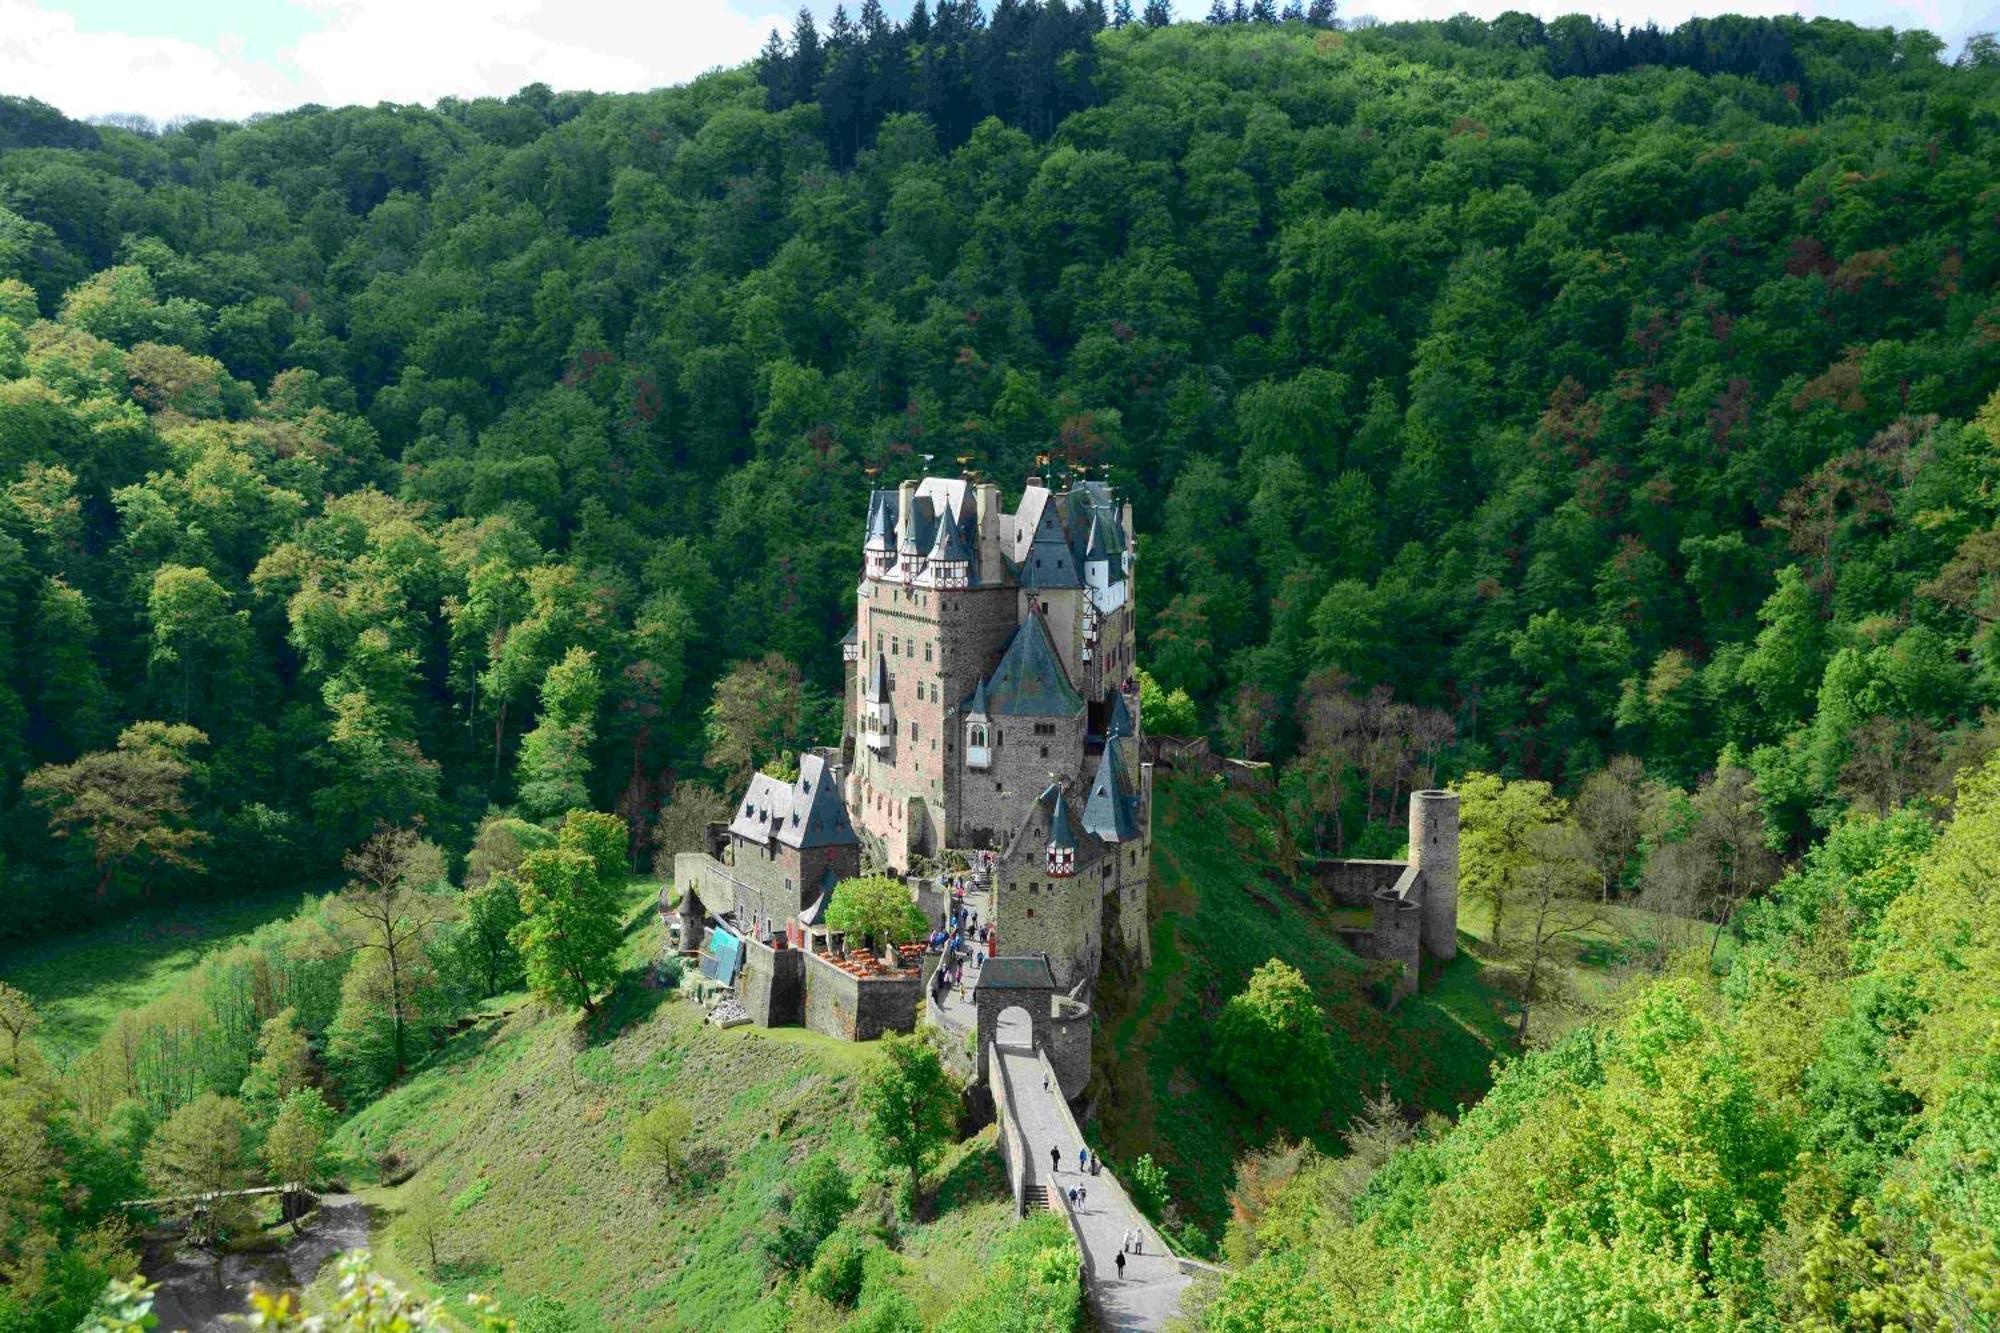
x=1149, y=1293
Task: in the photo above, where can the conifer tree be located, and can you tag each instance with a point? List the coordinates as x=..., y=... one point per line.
x=1320, y=13
x=808, y=57
x=1158, y=13
x=1121, y=14
x=1295, y=12
x=1218, y=13
x=774, y=71
x=1263, y=11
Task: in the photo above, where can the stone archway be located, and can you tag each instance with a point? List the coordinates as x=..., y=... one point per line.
x=1014, y=1027
x=1019, y=988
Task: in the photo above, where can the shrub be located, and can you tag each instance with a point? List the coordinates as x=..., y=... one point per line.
x=838, y=1268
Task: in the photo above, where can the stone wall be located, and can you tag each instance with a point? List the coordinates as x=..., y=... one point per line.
x=994, y=800
x=1066, y=1043
x=854, y=1009
x=772, y=985
x=1395, y=930
x=1354, y=883
x=1059, y=917
x=939, y=644
x=708, y=880
x=1434, y=851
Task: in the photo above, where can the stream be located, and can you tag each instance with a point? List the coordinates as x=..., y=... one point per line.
x=191, y=1299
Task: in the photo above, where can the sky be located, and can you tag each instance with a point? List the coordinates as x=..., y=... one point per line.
x=233, y=58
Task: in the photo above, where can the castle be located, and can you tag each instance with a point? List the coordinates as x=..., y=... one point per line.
x=991, y=738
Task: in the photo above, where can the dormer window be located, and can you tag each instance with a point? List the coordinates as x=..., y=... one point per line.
x=978, y=745
x=1062, y=861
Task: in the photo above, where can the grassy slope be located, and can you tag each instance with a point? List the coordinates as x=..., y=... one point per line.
x=1221, y=908
x=81, y=981
x=528, y=1134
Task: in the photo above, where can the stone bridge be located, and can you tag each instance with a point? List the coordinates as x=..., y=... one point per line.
x=1039, y=1140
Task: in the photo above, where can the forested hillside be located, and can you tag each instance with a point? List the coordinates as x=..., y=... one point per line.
x=1809, y=1145
x=1603, y=420
x=365, y=464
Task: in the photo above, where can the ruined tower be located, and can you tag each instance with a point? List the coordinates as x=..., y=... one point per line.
x=1434, y=854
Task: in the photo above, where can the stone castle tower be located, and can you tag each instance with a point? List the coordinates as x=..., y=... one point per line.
x=993, y=705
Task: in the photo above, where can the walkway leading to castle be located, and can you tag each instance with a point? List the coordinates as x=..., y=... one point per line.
x=1150, y=1292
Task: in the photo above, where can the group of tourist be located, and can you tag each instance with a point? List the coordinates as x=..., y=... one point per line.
x=959, y=937
x=1133, y=1240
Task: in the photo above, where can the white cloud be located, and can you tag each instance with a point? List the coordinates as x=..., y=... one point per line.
x=368, y=51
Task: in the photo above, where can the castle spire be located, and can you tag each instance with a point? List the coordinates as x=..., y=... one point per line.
x=1062, y=837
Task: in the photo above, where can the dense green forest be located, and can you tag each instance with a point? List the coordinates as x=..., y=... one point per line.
x=1612, y=414
x=1603, y=418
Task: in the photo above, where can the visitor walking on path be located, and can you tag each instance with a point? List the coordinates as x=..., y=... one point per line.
x=1055, y=1159
x=1121, y=1265
x=1080, y=1161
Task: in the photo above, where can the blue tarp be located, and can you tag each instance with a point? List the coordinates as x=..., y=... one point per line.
x=723, y=957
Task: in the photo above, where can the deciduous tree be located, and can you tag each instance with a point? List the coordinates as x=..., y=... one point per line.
x=911, y=1106
x=130, y=803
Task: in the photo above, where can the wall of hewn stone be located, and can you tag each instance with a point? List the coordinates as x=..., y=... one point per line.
x=844, y=1006
x=772, y=985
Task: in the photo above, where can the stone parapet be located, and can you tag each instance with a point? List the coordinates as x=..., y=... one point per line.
x=840, y=1004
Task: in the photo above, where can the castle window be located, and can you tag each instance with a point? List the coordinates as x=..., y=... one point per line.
x=927, y=652
x=1031, y=911
x=895, y=647
x=1045, y=752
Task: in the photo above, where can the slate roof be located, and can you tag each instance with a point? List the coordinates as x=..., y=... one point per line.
x=805, y=813
x=950, y=543
x=1111, y=813
x=878, y=681
x=976, y=706
x=1016, y=973
x=1062, y=829
x=1120, y=723
x=881, y=521
x=1030, y=680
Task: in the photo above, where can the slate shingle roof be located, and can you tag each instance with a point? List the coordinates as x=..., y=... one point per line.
x=1030, y=680
x=1017, y=973
x=805, y=813
x=1111, y=813
x=1062, y=829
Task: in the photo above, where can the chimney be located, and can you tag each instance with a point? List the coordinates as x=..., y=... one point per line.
x=986, y=506
x=1034, y=482
x=906, y=497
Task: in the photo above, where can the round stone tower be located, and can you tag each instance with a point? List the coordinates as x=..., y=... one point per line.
x=1434, y=852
